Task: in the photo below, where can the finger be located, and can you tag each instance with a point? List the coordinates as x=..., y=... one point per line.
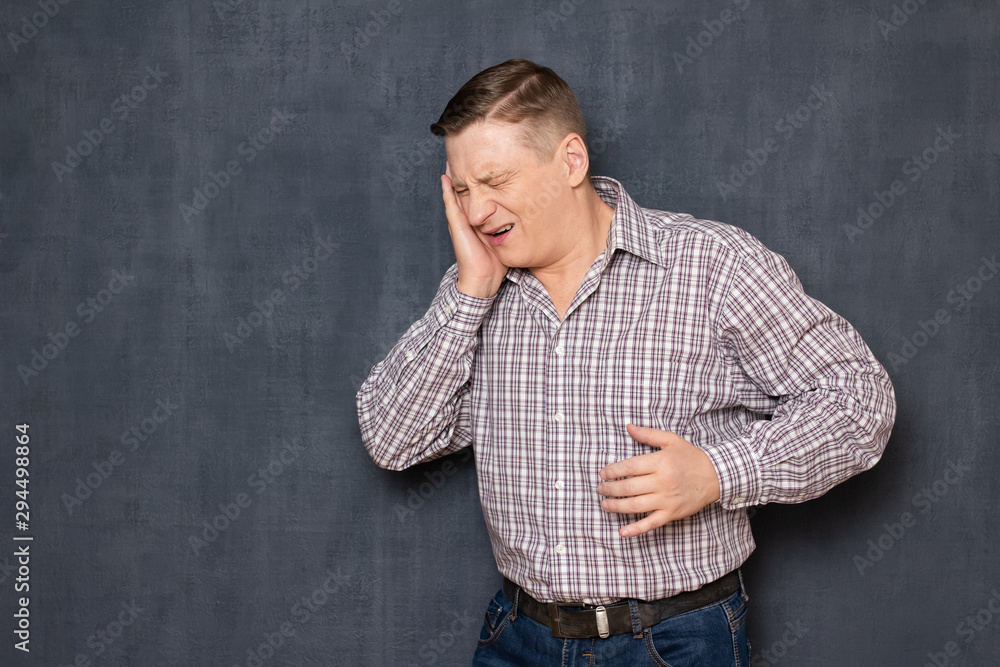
x=634, y=505
x=634, y=465
x=654, y=520
x=446, y=187
x=451, y=206
x=633, y=486
x=456, y=201
x=651, y=436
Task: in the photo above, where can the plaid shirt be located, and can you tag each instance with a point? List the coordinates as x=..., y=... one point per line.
x=684, y=325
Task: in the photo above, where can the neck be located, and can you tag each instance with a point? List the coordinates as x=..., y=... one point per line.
x=589, y=220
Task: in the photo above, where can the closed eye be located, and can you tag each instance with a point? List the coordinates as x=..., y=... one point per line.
x=498, y=181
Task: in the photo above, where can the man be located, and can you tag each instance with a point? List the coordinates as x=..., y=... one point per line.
x=630, y=380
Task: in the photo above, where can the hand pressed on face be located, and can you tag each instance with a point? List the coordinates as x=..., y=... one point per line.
x=672, y=483
x=480, y=271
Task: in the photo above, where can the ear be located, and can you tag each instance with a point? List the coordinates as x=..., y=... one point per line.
x=573, y=154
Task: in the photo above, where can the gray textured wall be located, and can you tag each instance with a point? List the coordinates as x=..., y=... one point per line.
x=253, y=217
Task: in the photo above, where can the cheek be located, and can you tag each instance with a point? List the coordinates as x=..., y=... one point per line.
x=546, y=207
x=507, y=210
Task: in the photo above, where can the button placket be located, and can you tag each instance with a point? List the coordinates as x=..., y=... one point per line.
x=559, y=433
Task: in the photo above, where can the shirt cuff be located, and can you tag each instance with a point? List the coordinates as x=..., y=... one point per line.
x=738, y=471
x=461, y=314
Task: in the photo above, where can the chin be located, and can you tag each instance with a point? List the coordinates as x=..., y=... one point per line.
x=509, y=260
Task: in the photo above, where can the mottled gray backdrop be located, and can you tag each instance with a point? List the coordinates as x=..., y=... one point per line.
x=215, y=217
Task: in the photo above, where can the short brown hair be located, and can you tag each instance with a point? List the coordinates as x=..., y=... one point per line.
x=517, y=91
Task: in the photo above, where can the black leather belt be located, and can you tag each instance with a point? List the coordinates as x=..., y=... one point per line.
x=581, y=621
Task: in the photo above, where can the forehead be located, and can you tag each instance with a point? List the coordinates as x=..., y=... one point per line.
x=487, y=149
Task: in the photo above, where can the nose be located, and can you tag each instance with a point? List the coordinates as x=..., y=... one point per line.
x=479, y=206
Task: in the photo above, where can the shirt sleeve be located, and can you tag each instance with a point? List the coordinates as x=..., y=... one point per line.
x=835, y=404
x=413, y=407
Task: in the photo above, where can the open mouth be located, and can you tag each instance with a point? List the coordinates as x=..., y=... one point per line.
x=503, y=230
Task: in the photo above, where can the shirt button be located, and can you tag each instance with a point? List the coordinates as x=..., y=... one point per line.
x=560, y=484
x=738, y=499
x=559, y=350
x=560, y=549
x=409, y=354
x=558, y=416
x=447, y=309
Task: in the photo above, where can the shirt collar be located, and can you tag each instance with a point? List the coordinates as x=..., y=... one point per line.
x=630, y=228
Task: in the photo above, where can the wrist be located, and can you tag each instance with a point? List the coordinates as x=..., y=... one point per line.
x=461, y=314
x=738, y=472
x=482, y=289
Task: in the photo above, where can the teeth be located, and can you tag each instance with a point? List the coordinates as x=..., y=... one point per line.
x=503, y=229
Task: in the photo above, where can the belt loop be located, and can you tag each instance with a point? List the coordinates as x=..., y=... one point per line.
x=633, y=608
x=743, y=590
x=517, y=597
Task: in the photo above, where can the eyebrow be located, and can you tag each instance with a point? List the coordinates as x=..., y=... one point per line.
x=488, y=177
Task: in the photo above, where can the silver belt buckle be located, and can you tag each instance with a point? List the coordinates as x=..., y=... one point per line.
x=603, y=628
x=600, y=614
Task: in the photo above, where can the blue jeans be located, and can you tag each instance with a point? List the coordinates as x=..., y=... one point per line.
x=711, y=636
